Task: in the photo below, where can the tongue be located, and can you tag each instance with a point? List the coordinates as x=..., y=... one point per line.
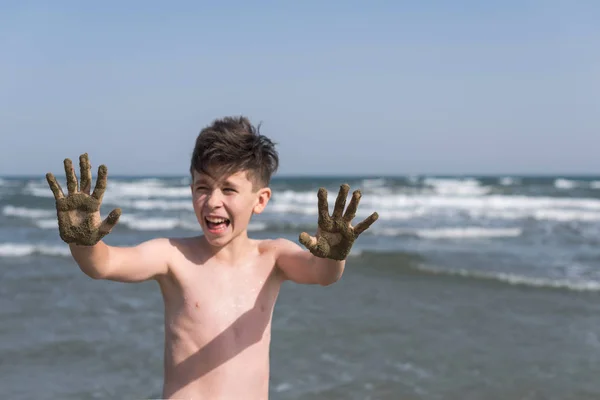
x=213, y=225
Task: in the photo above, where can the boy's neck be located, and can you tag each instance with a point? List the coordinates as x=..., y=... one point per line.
x=234, y=251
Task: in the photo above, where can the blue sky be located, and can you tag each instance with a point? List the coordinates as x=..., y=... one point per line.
x=343, y=87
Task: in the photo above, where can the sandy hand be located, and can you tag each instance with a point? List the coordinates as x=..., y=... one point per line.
x=335, y=234
x=78, y=213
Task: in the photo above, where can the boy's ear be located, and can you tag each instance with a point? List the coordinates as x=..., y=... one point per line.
x=264, y=195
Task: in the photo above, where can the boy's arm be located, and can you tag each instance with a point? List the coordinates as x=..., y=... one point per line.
x=80, y=225
x=300, y=266
x=148, y=260
x=325, y=259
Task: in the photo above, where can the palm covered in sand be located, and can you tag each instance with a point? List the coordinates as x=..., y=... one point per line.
x=335, y=234
x=79, y=220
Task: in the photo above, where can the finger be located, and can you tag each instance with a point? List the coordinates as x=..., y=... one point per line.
x=110, y=221
x=308, y=241
x=71, y=177
x=322, y=248
x=362, y=226
x=54, y=186
x=340, y=202
x=85, y=173
x=353, y=206
x=100, y=183
x=324, y=217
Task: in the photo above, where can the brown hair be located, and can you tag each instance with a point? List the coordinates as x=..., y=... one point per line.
x=233, y=144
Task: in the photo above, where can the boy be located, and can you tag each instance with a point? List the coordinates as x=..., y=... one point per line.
x=219, y=288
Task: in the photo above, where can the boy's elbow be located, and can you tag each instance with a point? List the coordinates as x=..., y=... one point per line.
x=329, y=280
x=96, y=274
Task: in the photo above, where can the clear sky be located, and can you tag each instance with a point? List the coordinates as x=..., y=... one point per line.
x=344, y=87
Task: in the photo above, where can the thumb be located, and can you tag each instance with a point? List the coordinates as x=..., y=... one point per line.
x=308, y=241
x=110, y=221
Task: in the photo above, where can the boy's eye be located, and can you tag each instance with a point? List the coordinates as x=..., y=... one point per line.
x=230, y=190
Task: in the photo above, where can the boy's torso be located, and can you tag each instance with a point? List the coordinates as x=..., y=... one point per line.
x=218, y=323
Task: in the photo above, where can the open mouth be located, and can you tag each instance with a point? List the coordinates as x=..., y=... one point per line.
x=217, y=223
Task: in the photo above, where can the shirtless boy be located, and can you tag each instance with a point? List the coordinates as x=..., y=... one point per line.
x=219, y=288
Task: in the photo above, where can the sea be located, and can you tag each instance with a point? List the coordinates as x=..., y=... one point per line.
x=467, y=287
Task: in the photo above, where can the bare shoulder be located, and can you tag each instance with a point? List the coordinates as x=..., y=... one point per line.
x=276, y=246
x=282, y=250
x=161, y=247
x=270, y=251
x=280, y=245
x=188, y=247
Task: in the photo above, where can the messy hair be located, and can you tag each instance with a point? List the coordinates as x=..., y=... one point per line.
x=233, y=144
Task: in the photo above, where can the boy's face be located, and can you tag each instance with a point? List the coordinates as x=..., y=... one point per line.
x=225, y=204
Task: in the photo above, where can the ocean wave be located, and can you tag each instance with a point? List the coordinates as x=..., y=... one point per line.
x=568, y=184
x=414, y=264
x=450, y=198
x=24, y=249
x=402, y=206
x=164, y=205
x=118, y=190
x=37, y=190
x=457, y=187
x=24, y=212
x=47, y=223
x=565, y=184
x=373, y=183
x=146, y=188
x=451, y=233
x=520, y=280
x=142, y=223
x=394, y=208
x=508, y=181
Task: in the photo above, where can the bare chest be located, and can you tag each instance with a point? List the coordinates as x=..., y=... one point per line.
x=213, y=297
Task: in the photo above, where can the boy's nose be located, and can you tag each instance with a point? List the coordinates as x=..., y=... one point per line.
x=215, y=199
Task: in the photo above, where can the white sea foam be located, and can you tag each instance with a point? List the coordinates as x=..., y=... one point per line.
x=444, y=198
x=118, y=190
x=145, y=189
x=457, y=187
x=150, y=224
x=566, y=215
x=38, y=190
x=24, y=249
x=373, y=183
x=283, y=387
x=450, y=233
x=578, y=285
x=402, y=206
x=26, y=212
x=47, y=223
x=565, y=184
x=378, y=186
x=508, y=181
x=144, y=223
x=595, y=185
x=468, y=233
x=165, y=205
x=575, y=285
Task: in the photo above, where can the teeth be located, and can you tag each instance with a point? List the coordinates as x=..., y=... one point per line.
x=216, y=220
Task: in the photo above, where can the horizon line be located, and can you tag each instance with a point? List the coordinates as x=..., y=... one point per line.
x=345, y=175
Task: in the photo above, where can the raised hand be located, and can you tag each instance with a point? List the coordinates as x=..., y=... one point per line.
x=335, y=234
x=79, y=220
